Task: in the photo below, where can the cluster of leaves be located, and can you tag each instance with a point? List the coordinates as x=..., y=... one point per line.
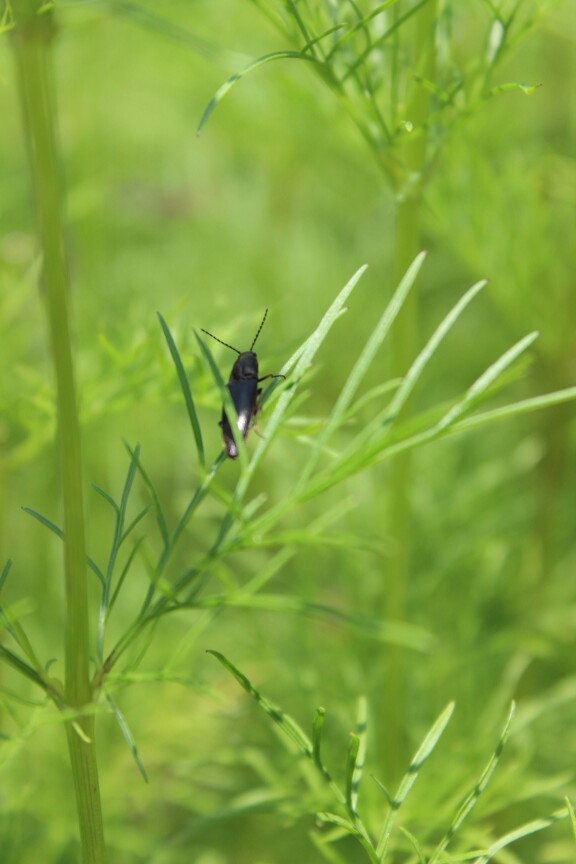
x=378, y=67
x=246, y=523
x=347, y=821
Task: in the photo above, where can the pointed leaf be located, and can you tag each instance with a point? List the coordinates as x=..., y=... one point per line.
x=420, y=757
x=471, y=799
x=289, y=726
x=186, y=392
x=256, y=64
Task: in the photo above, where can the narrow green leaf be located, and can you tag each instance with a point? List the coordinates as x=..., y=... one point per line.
x=398, y=23
x=351, y=762
x=363, y=363
x=256, y=64
x=387, y=794
x=324, y=844
x=369, y=446
x=420, y=757
x=126, y=489
x=59, y=533
x=525, y=406
x=289, y=726
x=317, y=40
x=108, y=498
x=317, y=731
x=5, y=572
x=160, y=519
x=335, y=819
x=572, y=815
x=415, y=844
x=160, y=25
x=470, y=800
x=198, y=497
x=128, y=737
x=485, y=381
x=45, y=521
x=7, y=21
x=10, y=619
x=120, y=512
x=355, y=829
x=360, y=732
x=527, y=89
x=186, y=392
x=138, y=518
x=360, y=25
x=418, y=366
x=123, y=575
x=518, y=834
x=407, y=635
x=21, y=666
x=376, y=452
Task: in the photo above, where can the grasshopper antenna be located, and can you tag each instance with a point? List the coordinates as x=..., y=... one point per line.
x=220, y=340
x=259, y=329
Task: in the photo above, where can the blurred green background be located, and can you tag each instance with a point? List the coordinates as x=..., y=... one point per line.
x=275, y=205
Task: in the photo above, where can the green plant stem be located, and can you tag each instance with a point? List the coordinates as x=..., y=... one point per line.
x=408, y=242
x=32, y=38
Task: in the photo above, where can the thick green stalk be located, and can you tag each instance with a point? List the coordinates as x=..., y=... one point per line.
x=32, y=39
x=408, y=242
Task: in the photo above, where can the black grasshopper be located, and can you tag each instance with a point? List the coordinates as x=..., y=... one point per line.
x=244, y=390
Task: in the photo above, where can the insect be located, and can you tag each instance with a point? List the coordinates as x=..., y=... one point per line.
x=244, y=390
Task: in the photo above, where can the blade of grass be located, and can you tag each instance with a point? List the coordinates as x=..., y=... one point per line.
x=376, y=453
x=422, y=754
x=9, y=619
x=60, y=534
x=25, y=669
x=525, y=406
x=486, y=380
x=361, y=25
x=355, y=760
x=407, y=635
x=138, y=518
x=415, y=845
x=256, y=64
x=123, y=575
x=120, y=512
x=186, y=392
x=361, y=733
x=317, y=730
x=352, y=829
x=518, y=834
x=362, y=365
x=128, y=737
x=286, y=723
x=351, y=763
x=366, y=449
x=160, y=518
x=417, y=368
x=572, y=816
x=398, y=23
x=159, y=25
x=5, y=572
x=295, y=733
x=471, y=799
x=197, y=498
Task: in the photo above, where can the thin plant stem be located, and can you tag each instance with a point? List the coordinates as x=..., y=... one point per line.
x=408, y=243
x=32, y=40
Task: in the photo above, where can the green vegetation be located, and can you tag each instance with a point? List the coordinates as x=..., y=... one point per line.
x=390, y=559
